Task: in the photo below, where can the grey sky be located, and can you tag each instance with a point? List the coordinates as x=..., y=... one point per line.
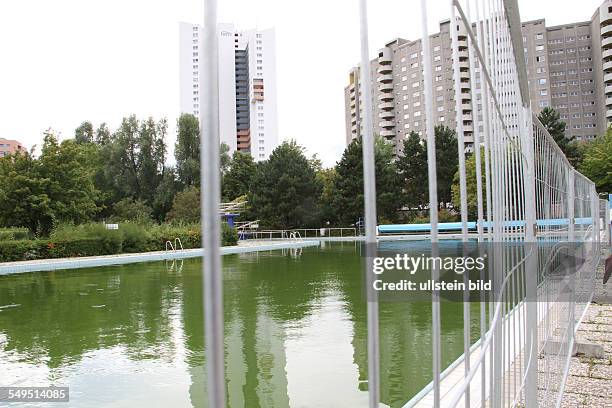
x=65, y=61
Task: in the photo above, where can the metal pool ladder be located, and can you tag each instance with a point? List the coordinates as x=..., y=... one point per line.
x=177, y=244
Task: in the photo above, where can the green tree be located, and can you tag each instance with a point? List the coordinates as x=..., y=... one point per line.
x=186, y=206
x=135, y=158
x=284, y=190
x=70, y=187
x=224, y=157
x=326, y=178
x=131, y=210
x=470, y=177
x=597, y=163
x=552, y=122
x=24, y=201
x=447, y=162
x=84, y=133
x=347, y=201
x=187, y=150
x=165, y=193
x=237, y=179
x=412, y=166
x=103, y=135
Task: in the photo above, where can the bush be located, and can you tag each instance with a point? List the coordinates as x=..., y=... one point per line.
x=94, y=239
x=13, y=234
x=186, y=206
x=130, y=210
x=229, y=236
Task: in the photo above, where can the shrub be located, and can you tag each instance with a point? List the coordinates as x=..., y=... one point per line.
x=186, y=206
x=136, y=238
x=229, y=236
x=94, y=239
x=11, y=234
x=131, y=210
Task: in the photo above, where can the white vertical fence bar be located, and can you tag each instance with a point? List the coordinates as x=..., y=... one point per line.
x=433, y=200
x=454, y=23
x=210, y=191
x=369, y=187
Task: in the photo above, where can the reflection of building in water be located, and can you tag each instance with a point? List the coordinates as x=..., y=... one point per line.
x=254, y=355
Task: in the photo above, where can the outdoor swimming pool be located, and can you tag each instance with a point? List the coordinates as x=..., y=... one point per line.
x=295, y=333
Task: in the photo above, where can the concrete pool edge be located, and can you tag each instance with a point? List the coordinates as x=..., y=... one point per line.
x=45, y=265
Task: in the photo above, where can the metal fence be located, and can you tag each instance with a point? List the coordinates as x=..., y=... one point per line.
x=529, y=194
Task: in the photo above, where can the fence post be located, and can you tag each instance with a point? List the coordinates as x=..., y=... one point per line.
x=531, y=268
x=369, y=188
x=211, y=228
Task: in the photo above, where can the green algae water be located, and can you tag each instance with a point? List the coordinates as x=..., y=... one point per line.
x=295, y=333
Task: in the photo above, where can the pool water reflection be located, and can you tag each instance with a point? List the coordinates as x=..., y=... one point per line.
x=295, y=333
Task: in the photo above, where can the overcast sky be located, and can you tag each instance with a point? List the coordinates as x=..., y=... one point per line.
x=65, y=61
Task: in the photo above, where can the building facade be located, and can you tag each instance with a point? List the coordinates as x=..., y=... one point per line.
x=8, y=147
x=569, y=68
x=248, y=117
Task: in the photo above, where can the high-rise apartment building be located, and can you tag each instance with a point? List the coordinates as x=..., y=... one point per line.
x=569, y=68
x=248, y=119
x=8, y=146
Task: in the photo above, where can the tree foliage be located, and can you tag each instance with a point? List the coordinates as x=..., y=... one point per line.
x=347, y=200
x=132, y=210
x=412, y=167
x=57, y=187
x=186, y=206
x=470, y=178
x=187, y=150
x=238, y=178
x=552, y=122
x=284, y=190
x=597, y=163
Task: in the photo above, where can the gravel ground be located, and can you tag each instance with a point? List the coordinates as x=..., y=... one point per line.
x=589, y=383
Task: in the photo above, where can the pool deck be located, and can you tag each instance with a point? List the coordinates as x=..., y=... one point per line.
x=39, y=265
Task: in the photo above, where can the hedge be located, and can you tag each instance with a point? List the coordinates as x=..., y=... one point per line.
x=10, y=234
x=92, y=241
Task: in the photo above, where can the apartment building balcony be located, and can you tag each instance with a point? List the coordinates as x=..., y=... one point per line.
x=386, y=115
x=608, y=89
x=353, y=102
x=385, y=78
x=387, y=124
x=385, y=87
x=387, y=133
x=386, y=106
x=468, y=128
x=464, y=65
x=385, y=69
x=385, y=96
x=609, y=114
x=464, y=75
x=385, y=57
x=606, y=54
x=606, y=42
x=609, y=101
x=608, y=77
x=607, y=66
x=606, y=30
x=466, y=107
